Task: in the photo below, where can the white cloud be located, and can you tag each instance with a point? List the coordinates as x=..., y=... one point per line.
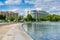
x=18, y=10
x=51, y=9
x=1, y=3
x=47, y=0
x=29, y=9
x=33, y=1
x=38, y=8
x=37, y=3
x=58, y=13
x=30, y=1
x=14, y=10
x=11, y=2
x=54, y=10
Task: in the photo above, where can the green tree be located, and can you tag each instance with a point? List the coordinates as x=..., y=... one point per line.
x=2, y=17
x=11, y=18
x=42, y=19
x=49, y=17
x=19, y=18
x=53, y=17
x=25, y=19
x=29, y=18
x=37, y=19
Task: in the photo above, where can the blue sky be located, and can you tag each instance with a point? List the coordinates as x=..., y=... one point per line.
x=20, y=6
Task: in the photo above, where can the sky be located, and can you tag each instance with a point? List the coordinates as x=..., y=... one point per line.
x=20, y=6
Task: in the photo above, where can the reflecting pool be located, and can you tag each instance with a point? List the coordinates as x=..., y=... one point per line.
x=43, y=30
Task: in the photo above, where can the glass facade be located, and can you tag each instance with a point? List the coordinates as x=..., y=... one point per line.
x=38, y=13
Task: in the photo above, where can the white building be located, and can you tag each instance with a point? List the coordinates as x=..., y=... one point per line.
x=37, y=13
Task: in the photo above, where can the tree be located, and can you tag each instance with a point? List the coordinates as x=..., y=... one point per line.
x=28, y=18
x=11, y=18
x=19, y=18
x=42, y=19
x=25, y=19
x=49, y=17
x=2, y=17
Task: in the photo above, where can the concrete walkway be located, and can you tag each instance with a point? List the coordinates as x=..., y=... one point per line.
x=13, y=32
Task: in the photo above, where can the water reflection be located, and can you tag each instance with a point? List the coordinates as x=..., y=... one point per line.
x=43, y=30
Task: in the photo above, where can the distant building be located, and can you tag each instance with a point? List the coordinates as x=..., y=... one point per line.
x=37, y=13
x=9, y=14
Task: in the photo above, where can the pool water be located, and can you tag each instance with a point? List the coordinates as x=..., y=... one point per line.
x=43, y=30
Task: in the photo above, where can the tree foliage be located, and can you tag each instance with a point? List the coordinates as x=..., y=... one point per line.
x=51, y=18
x=42, y=19
x=29, y=18
x=2, y=17
x=19, y=18
x=11, y=18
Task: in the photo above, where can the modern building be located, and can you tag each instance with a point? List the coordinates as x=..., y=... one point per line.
x=9, y=14
x=37, y=13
